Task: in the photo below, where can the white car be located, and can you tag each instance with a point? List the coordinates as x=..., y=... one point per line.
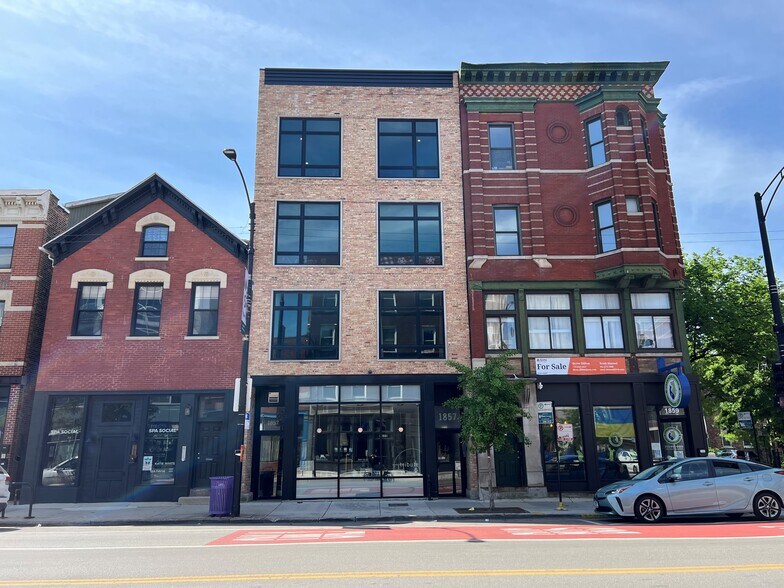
x=5, y=488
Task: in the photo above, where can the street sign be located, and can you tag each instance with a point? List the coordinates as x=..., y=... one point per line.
x=565, y=433
x=544, y=412
x=744, y=420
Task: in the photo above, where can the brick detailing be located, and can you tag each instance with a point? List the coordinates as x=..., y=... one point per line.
x=558, y=92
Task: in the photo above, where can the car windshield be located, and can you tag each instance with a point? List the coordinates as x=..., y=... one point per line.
x=653, y=471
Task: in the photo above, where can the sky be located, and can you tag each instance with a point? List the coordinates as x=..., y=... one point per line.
x=97, y=95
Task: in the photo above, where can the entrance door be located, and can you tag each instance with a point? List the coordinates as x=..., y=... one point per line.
x=509, y=466
x=674, y=442
x=112, y=451
x=270, y=467
x=210, y=444
x=449, y=460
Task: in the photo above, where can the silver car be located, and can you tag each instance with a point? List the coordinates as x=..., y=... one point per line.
x=697, y=486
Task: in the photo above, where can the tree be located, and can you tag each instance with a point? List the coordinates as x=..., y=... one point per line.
x=730, y=337
x=490, y=407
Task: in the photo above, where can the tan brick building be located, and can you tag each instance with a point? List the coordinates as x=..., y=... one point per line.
x=360, y=294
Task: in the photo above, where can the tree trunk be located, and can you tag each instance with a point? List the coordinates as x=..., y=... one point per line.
x=491, y=476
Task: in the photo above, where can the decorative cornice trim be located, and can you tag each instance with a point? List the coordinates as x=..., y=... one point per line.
x=92, y=276
x=563, y=73
x=155, y=218
x=149, y=275
x=205, y=275
x=617, y=95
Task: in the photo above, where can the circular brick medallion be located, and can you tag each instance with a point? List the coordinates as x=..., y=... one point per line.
x=559, y=132
x=566, y=216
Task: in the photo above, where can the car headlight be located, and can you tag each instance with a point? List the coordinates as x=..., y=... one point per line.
x=619, y=490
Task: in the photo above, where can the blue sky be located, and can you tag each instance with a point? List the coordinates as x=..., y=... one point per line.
x=96, y=95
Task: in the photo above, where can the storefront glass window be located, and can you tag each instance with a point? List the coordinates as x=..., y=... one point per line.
x=653, y=434
x=63, y=441
x=3, y=414
x=572, y=458
x=616, y=443
x=161, y=439
x=367, y=445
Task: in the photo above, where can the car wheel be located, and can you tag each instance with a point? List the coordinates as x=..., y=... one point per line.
x=767, y=506
x=649, y=509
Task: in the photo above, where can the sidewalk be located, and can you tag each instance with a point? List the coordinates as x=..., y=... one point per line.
x=298, y=512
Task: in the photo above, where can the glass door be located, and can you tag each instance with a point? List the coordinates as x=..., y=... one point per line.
x=270, y=467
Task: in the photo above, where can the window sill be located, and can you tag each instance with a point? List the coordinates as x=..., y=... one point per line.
x=151, y=259
x=133, y=338
x=308, y=177
x=84, y=337
x=624, y=128
x=5, y=270
x=201, y=337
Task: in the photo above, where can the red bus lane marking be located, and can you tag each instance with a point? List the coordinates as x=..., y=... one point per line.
x=295, y=535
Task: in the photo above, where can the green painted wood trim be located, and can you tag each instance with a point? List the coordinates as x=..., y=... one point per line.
x=500, y=104
x=632, y=271
x=561, y=285
x=525, y=348
x=579, y=327
x=618, y=95
x=647, y=72
x=630, y=341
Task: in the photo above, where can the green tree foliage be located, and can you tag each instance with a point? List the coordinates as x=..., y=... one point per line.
x=490, y=407
x=729, y=327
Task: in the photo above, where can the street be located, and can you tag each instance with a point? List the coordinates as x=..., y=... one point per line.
x=592, y=553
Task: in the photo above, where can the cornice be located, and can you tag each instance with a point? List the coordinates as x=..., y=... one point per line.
x=618, y=95
x=563, y=73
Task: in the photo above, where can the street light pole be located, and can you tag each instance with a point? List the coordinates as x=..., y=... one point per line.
x=245, y=330
x=773, y=288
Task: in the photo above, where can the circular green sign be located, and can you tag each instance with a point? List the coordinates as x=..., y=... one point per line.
x=673, y=390
x=615, y=440
x=673, y=436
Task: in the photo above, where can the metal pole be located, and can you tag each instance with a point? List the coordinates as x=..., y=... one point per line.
x=245, y=330
x=557, y=462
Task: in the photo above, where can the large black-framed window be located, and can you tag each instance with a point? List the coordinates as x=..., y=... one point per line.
x=594, y=137
x=147, y=305
x=204, y=309
x=602, y=322
x=63, y=442
x=549, y=317
x=646, y=143
x=161, y=438
x=605, y=227
x=2, y=314
x=408, y=148
x=88, y=316
x=653, y=320
x=411, y=324
x=155, y=241
x=501, y=322
x=307, y=233
x=622, y=117
x=7, y=238
x=506, y=223
x=409, y=234
x=305, y=325
x=501, y=139
x=309, y=147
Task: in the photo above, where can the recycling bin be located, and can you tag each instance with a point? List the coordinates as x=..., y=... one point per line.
x=221, y=494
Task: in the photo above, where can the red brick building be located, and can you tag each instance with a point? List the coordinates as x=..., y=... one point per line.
x=28, y=218
x=575, y=263
x=140, y=351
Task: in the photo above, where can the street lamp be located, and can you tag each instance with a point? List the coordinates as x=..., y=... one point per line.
x=778, y=323
x=245, y=330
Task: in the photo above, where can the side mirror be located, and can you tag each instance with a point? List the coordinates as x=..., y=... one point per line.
x=674, y=478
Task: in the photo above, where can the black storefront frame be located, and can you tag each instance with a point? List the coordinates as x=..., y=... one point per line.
x=140, y=492
x=289, y=429
x=641, y=391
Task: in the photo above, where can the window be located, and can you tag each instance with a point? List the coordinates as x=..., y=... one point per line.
x=161, y=439
x=147, y=310
x=155, y=241
x=507, y=231
x=501, y=146
x=656, y=225
x=605, y=230
x=309, y=147
x=63, y=442
x=412, y=325
x=409, y=234
x=616, y=443
x=653, y=320
x=622, y=118
x=4, y=393
x=308, y=233
x=726, y=468
x=305, y=325
x=549, y=321
x=88, y=321
x=7, y=236
x=570, y=454
x=407, y=149
x=645, y=140
x=2, y=311
x=633, y=205
x=500, y=322
x=595, y=140
x=602, y=321
x=692, y=470
x=204, y=309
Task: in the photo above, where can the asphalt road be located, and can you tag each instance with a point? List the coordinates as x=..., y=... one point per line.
x=578, y=553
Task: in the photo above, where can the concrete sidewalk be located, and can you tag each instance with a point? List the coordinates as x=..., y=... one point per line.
x=298, y=512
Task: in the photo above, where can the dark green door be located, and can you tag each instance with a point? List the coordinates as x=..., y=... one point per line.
x=509, y=466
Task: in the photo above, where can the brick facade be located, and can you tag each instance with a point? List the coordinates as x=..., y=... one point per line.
x=24, y=289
